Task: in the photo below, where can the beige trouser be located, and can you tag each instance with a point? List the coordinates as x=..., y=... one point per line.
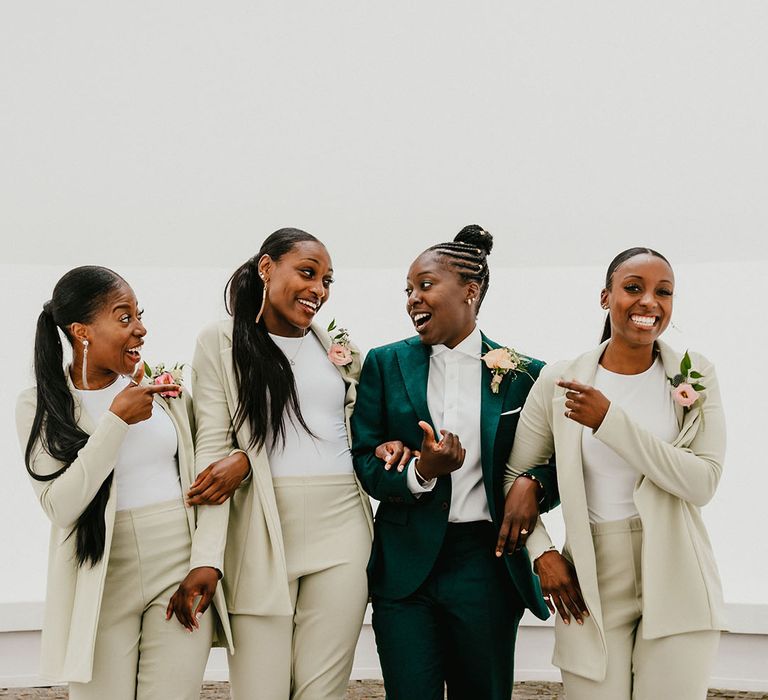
x=139, y=655
x=308, y=655
x=668, y=668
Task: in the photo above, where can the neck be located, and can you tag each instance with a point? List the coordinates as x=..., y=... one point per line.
x=627, y=359
x=461, y=336
x=97, y=379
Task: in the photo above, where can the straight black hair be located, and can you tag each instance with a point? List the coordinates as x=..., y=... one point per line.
x=77, y=297
x=618, y=260
x=266, y=386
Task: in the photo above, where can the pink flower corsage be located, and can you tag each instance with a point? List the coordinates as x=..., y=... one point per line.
x=160, y=375
x=500, y=361
x=686, y=385
x=340, y=352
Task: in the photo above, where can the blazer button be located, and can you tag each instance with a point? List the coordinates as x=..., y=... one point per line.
x=444, y=505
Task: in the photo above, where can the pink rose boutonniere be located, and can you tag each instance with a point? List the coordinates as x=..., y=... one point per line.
x=160, y=375
x=501, y=361
x=686, y=385
x=339, y=353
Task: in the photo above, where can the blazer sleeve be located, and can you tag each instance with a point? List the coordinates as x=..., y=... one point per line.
x=66, y=497
x=535, y=445
x=369, y=430
x=691, y=473
x=214, y=440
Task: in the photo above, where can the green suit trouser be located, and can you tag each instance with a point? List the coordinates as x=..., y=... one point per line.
x=457, y=629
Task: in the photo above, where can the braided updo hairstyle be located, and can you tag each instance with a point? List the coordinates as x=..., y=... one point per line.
x=468, y=255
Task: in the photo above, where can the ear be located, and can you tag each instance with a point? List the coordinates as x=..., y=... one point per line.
x=472, y=291
x=604, y=298
x=265, y=266
x=78, y=332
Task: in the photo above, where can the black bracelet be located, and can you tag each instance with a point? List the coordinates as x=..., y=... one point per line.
x=527, y=475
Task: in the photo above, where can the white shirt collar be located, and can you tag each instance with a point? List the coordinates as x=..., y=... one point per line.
x=471, y=346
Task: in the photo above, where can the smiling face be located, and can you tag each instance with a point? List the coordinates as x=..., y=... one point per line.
x=115, y=337
x=640, y=300
x=437, y=302
x=298, y=284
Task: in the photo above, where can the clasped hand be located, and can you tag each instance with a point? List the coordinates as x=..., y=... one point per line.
x=219, y=480
x=434, y=458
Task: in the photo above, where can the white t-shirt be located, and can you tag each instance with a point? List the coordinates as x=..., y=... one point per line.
x=321, y=392
x=147, y=470
x=609, y=480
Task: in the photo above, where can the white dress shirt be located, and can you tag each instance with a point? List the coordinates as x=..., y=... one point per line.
x=453, y=399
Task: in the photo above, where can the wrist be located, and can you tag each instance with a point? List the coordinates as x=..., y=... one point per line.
x=532, y=483
x=421, y=477
x=543, y=557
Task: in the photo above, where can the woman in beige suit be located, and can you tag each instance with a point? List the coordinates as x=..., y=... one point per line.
x=108, y=458
x=298, y=530
x=639, y=435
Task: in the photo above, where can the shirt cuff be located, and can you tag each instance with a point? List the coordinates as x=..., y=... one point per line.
x=413, y=483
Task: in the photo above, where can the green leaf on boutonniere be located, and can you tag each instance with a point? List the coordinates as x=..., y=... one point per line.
x=685, y=364
x=695, y=375
x=147, y=371
x=332, y=325
x=698, y=387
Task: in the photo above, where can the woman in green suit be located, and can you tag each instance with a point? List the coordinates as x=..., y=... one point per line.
x=445, y=603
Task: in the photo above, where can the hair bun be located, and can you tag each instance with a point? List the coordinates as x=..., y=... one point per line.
x=477, y=236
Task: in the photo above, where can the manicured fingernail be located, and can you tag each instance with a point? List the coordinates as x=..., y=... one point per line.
x=581, y=622
x=566, y=621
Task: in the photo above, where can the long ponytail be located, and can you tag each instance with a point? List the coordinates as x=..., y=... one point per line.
x=266, y=387
x=76, y=298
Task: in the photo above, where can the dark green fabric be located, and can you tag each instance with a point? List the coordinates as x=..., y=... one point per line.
x=409, y=531
x=457, y=629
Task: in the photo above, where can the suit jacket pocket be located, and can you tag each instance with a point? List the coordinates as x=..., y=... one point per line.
x=392, y=514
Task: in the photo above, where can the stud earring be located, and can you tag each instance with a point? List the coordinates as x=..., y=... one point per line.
x=470, y=300
x=263, y=301
x=85, y=365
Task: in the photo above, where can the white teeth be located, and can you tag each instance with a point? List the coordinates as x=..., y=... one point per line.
x=309, y=304
x=420, y=317
x=647, y=321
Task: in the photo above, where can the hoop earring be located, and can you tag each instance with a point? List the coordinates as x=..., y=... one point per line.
x=263, y=302
x=85, y=365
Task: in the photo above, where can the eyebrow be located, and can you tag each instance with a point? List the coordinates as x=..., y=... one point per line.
x=640, y=277
x=317, y=262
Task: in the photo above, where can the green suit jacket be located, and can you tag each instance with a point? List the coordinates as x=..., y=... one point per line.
x=409, y=531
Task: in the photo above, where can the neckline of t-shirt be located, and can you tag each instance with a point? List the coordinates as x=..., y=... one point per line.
x=654, y=365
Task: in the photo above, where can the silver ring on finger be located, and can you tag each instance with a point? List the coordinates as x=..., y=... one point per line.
x=523, y=531
x=568, y=413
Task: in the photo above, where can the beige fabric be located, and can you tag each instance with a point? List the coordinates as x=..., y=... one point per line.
x=678, y=666
x=682, y=591
x=255, y=576
x=73, y=595
x=308, y=655
x=139, y=655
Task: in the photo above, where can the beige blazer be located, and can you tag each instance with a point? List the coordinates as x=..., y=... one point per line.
x=73, y=596
x=681, y=585
x=250, y=539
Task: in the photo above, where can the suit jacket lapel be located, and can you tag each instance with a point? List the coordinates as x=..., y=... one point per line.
x=490, y=411
x=413, y=361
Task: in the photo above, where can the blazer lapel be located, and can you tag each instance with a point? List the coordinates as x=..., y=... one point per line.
x=490, y=410
x=413, y=361
x=688, y=421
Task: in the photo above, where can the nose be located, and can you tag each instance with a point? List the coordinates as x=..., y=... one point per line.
x=140, y=330
x=319, y=290
x=413, y=298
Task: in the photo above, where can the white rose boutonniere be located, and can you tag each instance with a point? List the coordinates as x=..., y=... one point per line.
x=687, y=384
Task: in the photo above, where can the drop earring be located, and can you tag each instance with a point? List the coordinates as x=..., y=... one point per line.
x=263, y=300
x=85, y=365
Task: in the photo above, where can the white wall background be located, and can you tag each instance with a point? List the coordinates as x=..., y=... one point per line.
x=167, y=139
